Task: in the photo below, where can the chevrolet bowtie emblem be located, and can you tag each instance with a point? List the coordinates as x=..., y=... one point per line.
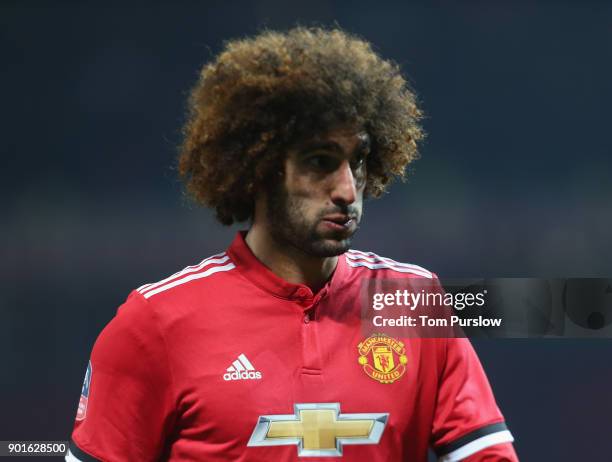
x=318, y=429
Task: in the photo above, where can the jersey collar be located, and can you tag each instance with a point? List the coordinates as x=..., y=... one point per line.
x=259, y=274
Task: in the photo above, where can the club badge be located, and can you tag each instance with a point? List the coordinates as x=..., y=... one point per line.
x=383, y=358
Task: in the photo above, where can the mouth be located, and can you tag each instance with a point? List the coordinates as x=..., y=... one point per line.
x=338, y=222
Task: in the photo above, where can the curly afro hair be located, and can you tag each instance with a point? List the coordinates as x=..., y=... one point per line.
x=263, y=94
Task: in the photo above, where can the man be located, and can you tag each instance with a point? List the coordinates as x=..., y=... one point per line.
x=257, y=353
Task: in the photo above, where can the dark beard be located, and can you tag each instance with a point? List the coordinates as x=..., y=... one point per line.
x=288, y=225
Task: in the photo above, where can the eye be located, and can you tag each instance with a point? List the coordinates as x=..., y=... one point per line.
x=322, y=162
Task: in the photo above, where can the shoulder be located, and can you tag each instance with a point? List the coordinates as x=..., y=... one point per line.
x=383, y=266
x=189, y=279
x=145, y=312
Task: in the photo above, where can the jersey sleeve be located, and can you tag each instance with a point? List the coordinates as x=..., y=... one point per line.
x=468, y=425
x=126, y=410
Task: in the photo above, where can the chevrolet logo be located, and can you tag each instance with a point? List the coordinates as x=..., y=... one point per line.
x=318, y=429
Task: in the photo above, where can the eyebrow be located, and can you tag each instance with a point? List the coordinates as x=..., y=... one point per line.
x=363, y=146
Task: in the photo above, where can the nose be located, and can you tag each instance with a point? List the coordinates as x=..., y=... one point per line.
x=344, y=190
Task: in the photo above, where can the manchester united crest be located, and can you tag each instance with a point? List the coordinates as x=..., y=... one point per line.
x=383, y=358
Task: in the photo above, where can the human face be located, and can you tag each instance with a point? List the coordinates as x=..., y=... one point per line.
x=317, y=206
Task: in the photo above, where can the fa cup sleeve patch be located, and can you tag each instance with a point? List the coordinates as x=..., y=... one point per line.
x=82, y=410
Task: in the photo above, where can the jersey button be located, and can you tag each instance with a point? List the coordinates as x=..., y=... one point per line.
x=306, y=318
x=302, y=292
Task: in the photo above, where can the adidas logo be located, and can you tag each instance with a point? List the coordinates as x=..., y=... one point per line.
x=242, y=369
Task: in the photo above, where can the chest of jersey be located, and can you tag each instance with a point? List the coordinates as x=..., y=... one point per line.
x=263, y=378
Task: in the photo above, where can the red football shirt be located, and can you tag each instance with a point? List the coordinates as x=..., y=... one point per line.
x=224, y=361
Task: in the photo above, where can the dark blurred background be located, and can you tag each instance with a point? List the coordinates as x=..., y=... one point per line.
x=514, y=180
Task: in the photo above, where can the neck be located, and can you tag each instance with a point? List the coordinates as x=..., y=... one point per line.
x=289, y=262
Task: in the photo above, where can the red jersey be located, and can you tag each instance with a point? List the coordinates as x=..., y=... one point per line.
x=225, y=361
